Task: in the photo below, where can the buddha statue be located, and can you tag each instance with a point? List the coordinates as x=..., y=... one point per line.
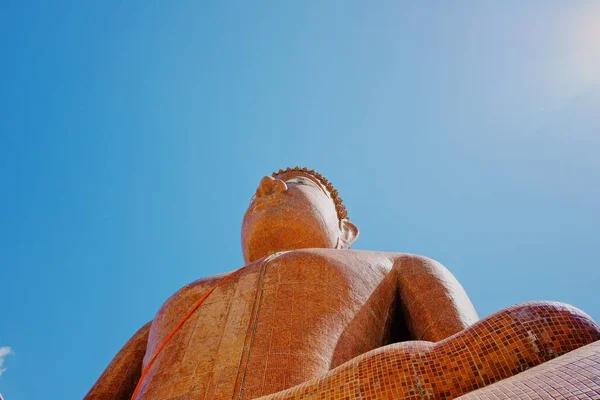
x=307, y=317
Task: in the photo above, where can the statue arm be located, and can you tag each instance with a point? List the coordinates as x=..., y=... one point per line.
x=119, y=379
x=435, y=305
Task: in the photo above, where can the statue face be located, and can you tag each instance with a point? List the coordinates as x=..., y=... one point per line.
x=288, y=212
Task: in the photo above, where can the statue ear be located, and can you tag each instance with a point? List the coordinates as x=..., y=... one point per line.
x=349, y=233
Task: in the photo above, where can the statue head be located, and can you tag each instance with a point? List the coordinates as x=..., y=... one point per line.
x=294, y=209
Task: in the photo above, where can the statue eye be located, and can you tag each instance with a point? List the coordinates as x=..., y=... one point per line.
x=297, y=180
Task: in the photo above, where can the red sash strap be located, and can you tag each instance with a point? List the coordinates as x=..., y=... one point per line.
x=170, y=335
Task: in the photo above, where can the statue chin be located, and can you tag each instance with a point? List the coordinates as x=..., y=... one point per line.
x=258, y=242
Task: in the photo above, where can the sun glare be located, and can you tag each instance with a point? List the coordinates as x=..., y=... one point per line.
x=582, y=41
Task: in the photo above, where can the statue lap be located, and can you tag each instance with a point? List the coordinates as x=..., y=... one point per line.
x=495, y=348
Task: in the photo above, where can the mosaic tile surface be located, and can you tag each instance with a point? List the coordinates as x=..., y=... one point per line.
x=322, y=324
x=575, y=375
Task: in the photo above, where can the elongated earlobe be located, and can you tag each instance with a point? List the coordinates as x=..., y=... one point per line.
x=349, y=233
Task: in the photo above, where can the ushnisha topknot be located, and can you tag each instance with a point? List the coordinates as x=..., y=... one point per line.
x=339, y=205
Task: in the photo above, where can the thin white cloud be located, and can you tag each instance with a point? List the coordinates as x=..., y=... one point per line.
x=4, y=351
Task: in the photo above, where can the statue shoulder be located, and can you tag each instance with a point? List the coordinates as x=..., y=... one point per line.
x=404, y=263
x=188, y=294
x=202, y=283
x=416, y=263
x=329, y=262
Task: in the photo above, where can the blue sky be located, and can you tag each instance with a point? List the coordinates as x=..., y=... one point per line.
x=133, y=135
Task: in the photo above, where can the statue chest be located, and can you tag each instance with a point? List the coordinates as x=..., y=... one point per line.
x=275, y=324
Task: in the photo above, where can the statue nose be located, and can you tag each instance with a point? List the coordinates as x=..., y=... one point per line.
x=269, y=185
